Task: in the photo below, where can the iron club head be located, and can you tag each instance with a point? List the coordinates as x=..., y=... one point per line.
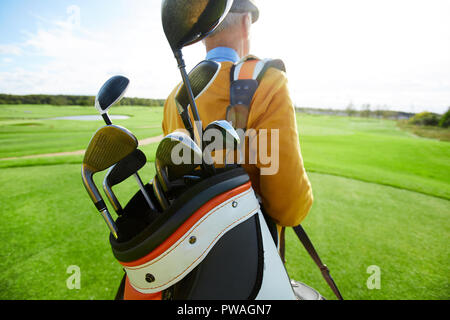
x=177, y=155
x=108, y=146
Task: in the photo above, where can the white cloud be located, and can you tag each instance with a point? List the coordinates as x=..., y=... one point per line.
x=10, y=49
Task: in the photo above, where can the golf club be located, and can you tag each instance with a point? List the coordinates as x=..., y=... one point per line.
x=229, y=136
x=186, y=22
x=171, y=165
x=200, y=78
x=109, y=145
x=122, y=171
x=110, y=94
x=159, y=194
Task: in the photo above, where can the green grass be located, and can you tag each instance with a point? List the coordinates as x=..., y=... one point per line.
x=404, y=233
x=381, y=198
x=24, y=132
x=431, y=132
x=375, y=151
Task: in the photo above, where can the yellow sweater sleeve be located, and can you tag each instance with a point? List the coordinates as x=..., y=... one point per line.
x=287, y=194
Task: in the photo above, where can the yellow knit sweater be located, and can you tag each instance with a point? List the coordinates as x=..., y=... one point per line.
x=286, y=195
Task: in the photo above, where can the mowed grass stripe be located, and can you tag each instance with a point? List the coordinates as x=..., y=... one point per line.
x=404, y=233
x=375, y=151
x=49, y=223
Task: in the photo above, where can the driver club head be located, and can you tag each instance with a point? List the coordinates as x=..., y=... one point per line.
x=111, y=93
x=186, y=22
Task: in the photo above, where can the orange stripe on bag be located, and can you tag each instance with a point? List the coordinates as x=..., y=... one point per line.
x=132, y=294
x=170, y=241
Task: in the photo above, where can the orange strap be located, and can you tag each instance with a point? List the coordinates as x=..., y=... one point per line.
x=247, y=70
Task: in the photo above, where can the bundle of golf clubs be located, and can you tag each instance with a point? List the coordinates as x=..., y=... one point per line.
x=116, y=148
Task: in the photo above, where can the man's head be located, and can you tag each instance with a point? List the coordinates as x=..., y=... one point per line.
x=234, y=31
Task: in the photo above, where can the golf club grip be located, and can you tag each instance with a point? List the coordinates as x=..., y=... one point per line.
x=144, y=192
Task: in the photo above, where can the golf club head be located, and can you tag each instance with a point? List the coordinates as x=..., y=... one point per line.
x=120, y=172
x=109, y=145
x=164, y=153
x=200, y=78
x=229, y=134
x=177, y=155
x=111, y=93
x=188, y=21
x=125, y=168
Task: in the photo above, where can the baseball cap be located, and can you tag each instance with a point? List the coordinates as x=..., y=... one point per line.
x=242, y=6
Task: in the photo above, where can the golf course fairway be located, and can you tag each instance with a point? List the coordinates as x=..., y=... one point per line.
x=381, y=199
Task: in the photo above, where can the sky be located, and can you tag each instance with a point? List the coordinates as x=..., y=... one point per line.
x=391, y=54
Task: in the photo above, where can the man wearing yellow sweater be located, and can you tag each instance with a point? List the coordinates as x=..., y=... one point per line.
x=286, y=195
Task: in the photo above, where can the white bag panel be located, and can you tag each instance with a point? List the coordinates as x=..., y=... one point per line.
x=276, y=284
x=182, y=257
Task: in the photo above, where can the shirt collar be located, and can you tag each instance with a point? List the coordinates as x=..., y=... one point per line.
x=221, y=54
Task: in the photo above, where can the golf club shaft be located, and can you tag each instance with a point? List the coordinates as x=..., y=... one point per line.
x=106, y=118
x=144, y=192
x=187, y=83
x=110, y=222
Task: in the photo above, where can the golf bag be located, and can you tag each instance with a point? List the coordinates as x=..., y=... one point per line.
x=214, y=242
x=245, y=78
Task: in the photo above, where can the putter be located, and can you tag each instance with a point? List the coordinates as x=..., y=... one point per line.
x=167, y=167
x=200, y=79
x=109, y=145
x=110, y=94
x=229, y=135
x=122, y=171
x=186, y=22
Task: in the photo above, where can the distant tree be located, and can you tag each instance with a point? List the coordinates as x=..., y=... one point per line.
x=425, y=119
x=350, y=110
x=365, y=111
x=445, y=120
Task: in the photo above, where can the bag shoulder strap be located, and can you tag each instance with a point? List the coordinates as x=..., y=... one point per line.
x=245, y=76
x=301, y=234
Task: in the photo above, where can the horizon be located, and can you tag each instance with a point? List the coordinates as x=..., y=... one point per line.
x=393, y=56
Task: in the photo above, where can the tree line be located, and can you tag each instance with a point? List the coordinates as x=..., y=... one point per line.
x=70, y=100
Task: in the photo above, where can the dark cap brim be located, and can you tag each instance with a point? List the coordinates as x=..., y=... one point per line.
x=240, y=6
